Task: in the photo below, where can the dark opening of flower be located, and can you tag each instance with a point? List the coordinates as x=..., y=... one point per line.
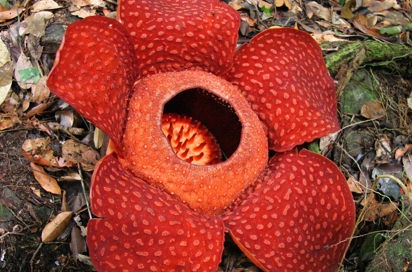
x=216, y=114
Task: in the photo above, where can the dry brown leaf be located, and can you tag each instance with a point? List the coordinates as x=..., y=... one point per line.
x=314, y=8
x=6, y=71
x=44, y=5
x=56, y=227
x=327, y=36
x=47, y=182
x=361, y=22
x=407, y=166
x=35, y=191
x=383, y=149
x=373, y=109
x=8, y=120
x=382, y=5
x=66, y=118
x=80, y=153
x=375, y=210
x=10, y=14
x=35, y=24
x=236, y=4
x=355, y=186
x=77, y=242
x=38, y=109
x=39, y=151
x=98, y=138
x=400, y=152
x=40, y=91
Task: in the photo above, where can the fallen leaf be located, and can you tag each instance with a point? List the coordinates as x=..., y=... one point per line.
x=361, y=22
x=47, y=182
x=70, y=177
x=77, y=242
x=25, y=74
x=6, y=71
x=56, y=227
x=40, y=91
x=314, y=8
x=373, y=110
x=35, y=24
x=325, y=37
x=44, y=5
x=375, y=210
x=355, y=186
x=407, y=166
x=281, y=3
x=10, y=14
x=66, y=118
x=80, y=153
x=39, y=151
x=38, y=109
x=98, y=138
x=400, y=152
x=36, y=191
x=376, y=6
x=327, y=141
x=383, y=149
x=8, y=120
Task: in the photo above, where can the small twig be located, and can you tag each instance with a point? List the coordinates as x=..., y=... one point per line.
x=84, y=191
x=34, y=256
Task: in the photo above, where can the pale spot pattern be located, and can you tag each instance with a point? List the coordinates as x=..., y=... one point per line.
x=286, y=67
x=291, y=232
x=182, y=241
x=175, y=28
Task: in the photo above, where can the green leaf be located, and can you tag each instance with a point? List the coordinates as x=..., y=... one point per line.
x=265, y=10
x=31, y=73
x=5, y=4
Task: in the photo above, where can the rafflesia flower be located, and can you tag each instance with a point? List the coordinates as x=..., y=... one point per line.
x=191, y=121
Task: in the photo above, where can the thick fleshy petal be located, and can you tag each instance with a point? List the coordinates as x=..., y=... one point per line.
x=300, y=216
x=145, y=229
x=175, y=35
x=94, y=71
x=219, y=106
x=283, y=75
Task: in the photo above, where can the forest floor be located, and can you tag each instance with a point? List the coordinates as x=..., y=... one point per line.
x=48, y=151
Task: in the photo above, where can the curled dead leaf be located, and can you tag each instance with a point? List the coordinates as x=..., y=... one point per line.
x=400, y=152
x=98, y=138
x=39, y=151
x=80, y=153
x=374, y=210
x=47, y=182
x=355, y=186
x=373, y=109
x=10, y=14
x=40, y=91
x=8, y=120
x=56, y=227
x=44, y=5
x=314, y=8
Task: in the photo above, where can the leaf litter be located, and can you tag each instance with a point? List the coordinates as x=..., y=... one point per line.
x=47, y=145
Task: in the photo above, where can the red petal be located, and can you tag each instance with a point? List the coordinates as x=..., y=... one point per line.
x=299, y=218
x=145, y=229
x=283, y=75
x=177, y=35
x=94, y=71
